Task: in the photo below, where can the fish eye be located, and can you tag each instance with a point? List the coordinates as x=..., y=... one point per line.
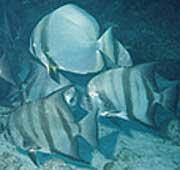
x=71, y=97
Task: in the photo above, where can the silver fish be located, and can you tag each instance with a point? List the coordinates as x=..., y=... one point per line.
x=131, y=93
x=48, y=126
x=68, y=39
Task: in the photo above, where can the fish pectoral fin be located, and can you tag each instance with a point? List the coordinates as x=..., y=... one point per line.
x=115, y=113
x=54, y=73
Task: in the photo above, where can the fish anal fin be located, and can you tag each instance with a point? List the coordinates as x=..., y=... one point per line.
x=88, y=128
x=33, y=157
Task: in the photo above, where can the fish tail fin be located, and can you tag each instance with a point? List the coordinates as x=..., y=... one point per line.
x=88, y=129
x=169, y=99
x=114, y=50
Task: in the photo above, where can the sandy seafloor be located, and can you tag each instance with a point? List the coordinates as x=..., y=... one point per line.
x=150, y=30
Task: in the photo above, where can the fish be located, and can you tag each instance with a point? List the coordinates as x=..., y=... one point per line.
x=37, y=84
x=48, y=126
x=132, y=93
x=69, y=39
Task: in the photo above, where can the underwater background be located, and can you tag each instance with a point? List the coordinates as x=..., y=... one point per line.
x=149, y=30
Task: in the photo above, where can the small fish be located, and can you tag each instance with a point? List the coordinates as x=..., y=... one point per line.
x=48, y=125
x=69, y=39
x=131, y=93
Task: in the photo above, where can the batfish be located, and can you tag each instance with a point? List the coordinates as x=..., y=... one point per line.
x=132, y=93
x=69, y=39
x=48, y=126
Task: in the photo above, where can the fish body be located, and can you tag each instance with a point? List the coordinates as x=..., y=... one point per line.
x=130, y=93
x=48, y=126
x=69, y=39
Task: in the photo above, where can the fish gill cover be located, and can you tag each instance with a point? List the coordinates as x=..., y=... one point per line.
x=89, y=85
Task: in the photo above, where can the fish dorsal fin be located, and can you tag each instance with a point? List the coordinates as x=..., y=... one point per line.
x=123, y=57
x=108, y=63
x=114, y=50
x=147, y=68
x=106, y=44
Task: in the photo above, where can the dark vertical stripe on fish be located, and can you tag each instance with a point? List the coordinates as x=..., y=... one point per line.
x=9, y=136
x=127, y=92
x=113, y=85
x=44, y=123
x=30, y=84
x=30, y=120
x=151, y=106
x=19, y=124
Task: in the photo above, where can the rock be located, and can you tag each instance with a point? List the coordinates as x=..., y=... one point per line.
x=173, y=131
x=141, y=149
x=9, y=161
x=56, y=164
